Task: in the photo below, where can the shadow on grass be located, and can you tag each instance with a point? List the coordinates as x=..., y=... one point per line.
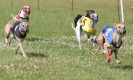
x=37, y=55
x=124, y=67
x=35, y=39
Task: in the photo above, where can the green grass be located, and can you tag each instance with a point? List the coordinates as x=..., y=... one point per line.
x=52, y=47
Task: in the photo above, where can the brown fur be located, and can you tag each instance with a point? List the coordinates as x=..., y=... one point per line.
x=9, y=35
x=117, y=39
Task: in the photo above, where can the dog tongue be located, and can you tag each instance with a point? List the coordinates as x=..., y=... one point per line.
x=108, y=56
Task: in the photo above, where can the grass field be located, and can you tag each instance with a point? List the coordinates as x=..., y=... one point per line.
x=52, y=47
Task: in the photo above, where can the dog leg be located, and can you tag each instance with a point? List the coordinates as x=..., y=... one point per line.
x=17, y=50
x=88, y=37
x=94, y=41
x=7, y=34
x=100, y=42
x=116, y=58
x=78, y=34
x=6, y=41
x=10, y=41
x=21, y=48
x=73, y=26
x=108, y=55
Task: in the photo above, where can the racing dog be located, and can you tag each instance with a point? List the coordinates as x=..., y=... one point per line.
x=87, y=24
x=17, y=31
x=110, y=40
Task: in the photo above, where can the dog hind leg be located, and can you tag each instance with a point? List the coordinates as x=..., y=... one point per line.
x=78, y=34
x=17, y=50
x=8, y=39
x=100, y=42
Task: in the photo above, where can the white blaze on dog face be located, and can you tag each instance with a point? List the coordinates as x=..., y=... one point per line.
x=94, y=16
x=24, y=26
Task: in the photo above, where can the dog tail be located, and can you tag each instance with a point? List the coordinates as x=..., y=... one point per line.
x=73, y=26
x=75, y=21
x=12, y=16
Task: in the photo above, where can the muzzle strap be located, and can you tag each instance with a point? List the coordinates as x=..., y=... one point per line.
x=19, y=33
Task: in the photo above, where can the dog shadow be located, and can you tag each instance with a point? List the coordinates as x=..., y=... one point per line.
x=33, y=54
x=35, y=39
x=123, y=67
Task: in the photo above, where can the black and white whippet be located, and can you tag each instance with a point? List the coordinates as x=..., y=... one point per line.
x=87, y=24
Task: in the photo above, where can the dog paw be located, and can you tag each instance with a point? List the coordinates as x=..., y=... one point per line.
x=118, y=62
x=26, y=58
x=103, y=52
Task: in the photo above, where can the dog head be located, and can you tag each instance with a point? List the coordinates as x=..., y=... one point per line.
x=92, y=15
x=24, y=26
x=120, y=28
x=26, y=9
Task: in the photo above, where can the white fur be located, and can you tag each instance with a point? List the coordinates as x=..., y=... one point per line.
x=78, y=32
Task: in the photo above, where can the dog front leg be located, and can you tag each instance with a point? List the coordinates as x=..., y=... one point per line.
x=78, y=34
x=94, y=41
x=116, y=58
x=21, y=48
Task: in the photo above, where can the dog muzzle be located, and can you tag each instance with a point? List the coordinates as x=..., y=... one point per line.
x=24, y=30
x=95, y=19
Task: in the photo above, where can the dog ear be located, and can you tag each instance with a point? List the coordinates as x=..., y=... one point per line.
x=88, y=12
x=115, y=25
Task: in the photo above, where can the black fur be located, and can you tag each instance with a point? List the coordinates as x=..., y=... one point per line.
x=14, y=25
x=114, y=45
x=88, y=12
x=76, y=19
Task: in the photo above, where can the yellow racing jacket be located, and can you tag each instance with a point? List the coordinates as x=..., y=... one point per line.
x=86, y=25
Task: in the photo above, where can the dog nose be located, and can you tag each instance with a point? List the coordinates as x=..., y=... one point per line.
x=96, y=19
x=25, y=30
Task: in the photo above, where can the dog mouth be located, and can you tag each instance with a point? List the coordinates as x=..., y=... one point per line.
x=24, y=30
x=120, y=32
x=95, y=20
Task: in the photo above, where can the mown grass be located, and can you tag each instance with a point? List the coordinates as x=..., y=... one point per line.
x=52, y=47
